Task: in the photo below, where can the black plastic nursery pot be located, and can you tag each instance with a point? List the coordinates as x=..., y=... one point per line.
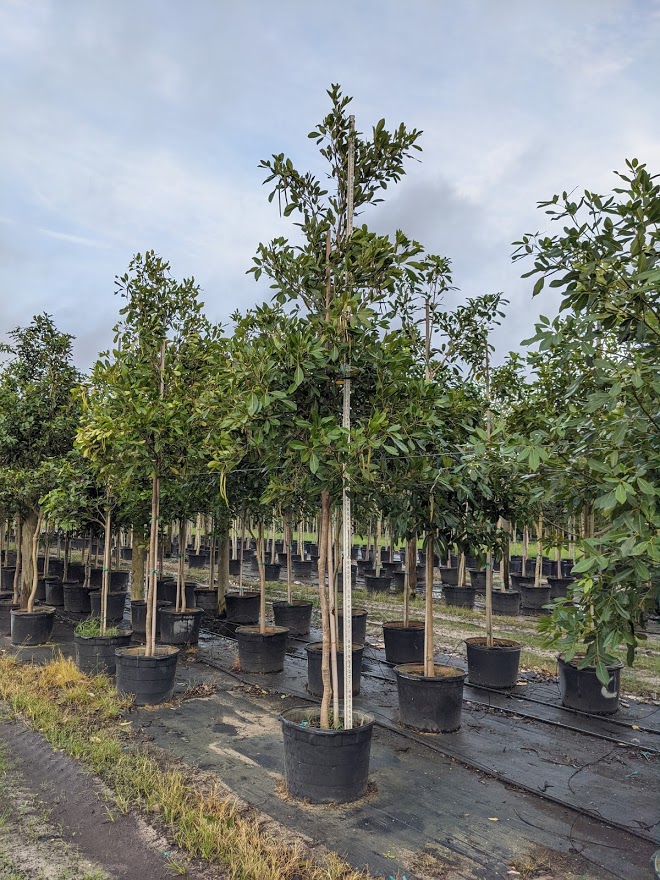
x=242, y=609
x=180, y=627
x=126, y=553
x=76, y=598
x=430, y=703
x=398, y=581
x=460, y=597
x=7, y=578
x=302, y=569
x=6, y=595
x=314, y=677
x=75, y=572
x=534, y=598
x=116, y=605
x=6, y=607
x=519, y=580
x=139, y=615
x=495, y=667
x=198, y=560
x=449, y=576
x=234, y=567
x=580, y=689
x=149, y=680
x=506, y=602
x=32, y=627
x=559, y=586
x=566, y=567
x=272, y=571
x=391, y=567
x=296, y=617
x=326, y=766
x=361, y=565
x=261, y=652
x=477, y=579
x=54, y=592
x=206, y=600
x=95, y=655
x=166, y=590
x=119, y=581
x=404, y=643
x=282, y=557
x=358, y=626
x=340, y=578
x=377, y=583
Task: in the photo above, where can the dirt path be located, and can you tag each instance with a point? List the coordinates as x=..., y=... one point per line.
x=59, y=823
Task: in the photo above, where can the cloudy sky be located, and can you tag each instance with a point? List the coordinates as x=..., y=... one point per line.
x=135, y=125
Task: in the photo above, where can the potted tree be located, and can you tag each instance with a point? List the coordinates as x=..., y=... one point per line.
x=603, y=443
x=38, y=417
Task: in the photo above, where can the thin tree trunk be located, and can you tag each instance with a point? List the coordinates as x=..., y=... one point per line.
x=262, y=576
x=410, y=578
x=223, y=565
x=240, y=570
x=181, y=568
x=34, y=554
x=18, y=543
x=325, y=620
x=379, y=541
x=138, y=563
x=525, y=550
x=539, y=552
x=105, y=580
x=152, y=590
x=288, y=540
x=429, y=667
x=67, y=554
x=332, y=625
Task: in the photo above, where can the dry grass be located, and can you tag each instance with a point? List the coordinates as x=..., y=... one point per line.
x=83, y=716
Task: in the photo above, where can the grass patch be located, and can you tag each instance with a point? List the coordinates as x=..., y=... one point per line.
x=91, y=628
x=84, y=717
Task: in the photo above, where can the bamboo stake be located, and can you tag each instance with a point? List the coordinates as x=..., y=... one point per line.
x=325, y=622
x=105, y=578
x=332, y=624
x=261, y=556
x=429, y=666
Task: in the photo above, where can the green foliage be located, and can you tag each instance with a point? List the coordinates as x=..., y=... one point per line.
x=602, y=377
x=91, y=628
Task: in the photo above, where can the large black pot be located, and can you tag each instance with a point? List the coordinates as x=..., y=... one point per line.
x=198, y=560
x=95, y=577
x=398, y=581
x=340, y=578
x=139, y=615
x=261, y=652
x=234, y=567
x=459, y=597
x=243, y=609
x=581, y=690
x=518, y=580
x=302, y=569
x=272, y=571
x=207, y=600
x=358, y=626
x=54, y=592
x=325, y=766
x=166, y=590
x=116, y=605
x=477, y=579
x=32, y=628
x=150, y=680
x=534, y=598
x=76, y=598
x=95, y=655
x=296, y=617
x=314, y=678
x=377, y=583
x=391, y=567
x=119, y=581
x=495, y=667
x=506, y=602
x=559, y=586
x=566, y=567
x=126, y=553
x=7, y=579
x=75, y=572
x=430, y=703
x=180, y=627
x=404, y=644
x=6, y=607
x=449, y=576
x=361, y=565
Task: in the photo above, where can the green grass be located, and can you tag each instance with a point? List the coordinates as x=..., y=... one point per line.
x=91, y=627
x=84, y=717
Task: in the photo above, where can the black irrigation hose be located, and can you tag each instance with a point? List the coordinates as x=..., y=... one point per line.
x=470, y=764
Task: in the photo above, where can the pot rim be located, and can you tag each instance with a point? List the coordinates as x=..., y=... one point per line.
x=315, y=646
x=399, y=625
x=234, y=594
x=405, y=670
x=162, y=652
x=473, y=642
x=368, y=721
x=252, y=629
x=185, y=611
x=295, y=603
x=560, y=659
x=120, y=635
x=42, y=609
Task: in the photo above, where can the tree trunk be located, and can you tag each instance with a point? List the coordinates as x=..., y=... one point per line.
x=29, y=530
x=325, y=621
x=139, y=544
x=223, y=564
x=181, y=568
x=150, y=640
x=429, y=667
x=261, y=559
x=410, y=585
x=18, y=543
x=377, y=545
x=107, y=564
x=539, y=552
x=288, y=543
x=332, y=625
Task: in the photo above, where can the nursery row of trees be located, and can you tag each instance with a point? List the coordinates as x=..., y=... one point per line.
x=180, y=417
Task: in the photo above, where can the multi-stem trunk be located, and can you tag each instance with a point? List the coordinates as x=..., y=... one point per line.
x=240, y=570
x=332, y=625
x=410, y=577
x=223, y=565
x=261, y=560
x=377, y=554
x=105, y=580
x=525, y=550
x=152, y=579
x=288, y=543
x=30, y=573
x=181, y=568
x=18, y=541
x=88, y=560
x=429, y=667
x=539, y=552
x=324, y=525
